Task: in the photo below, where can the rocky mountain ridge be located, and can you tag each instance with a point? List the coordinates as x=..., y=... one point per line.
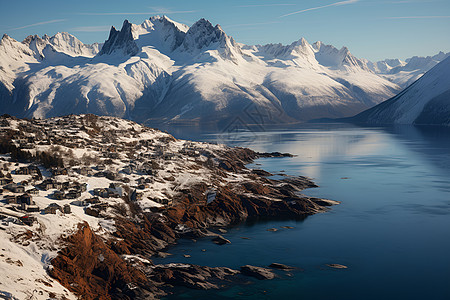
x=164, y=71
x=425, y=102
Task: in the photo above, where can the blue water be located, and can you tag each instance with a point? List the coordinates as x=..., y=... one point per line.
x=392, y=229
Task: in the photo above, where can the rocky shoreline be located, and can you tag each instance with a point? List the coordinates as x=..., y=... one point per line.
x=160, y=190
x=146, y=236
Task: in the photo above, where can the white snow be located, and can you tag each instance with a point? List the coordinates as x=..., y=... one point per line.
x=409, y=104
x=188, y=73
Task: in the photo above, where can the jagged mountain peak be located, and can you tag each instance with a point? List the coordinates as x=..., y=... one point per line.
x=300, y=51
x=13, y=48
x=203, y=35
x=62, y=42
x=160, y=32
x=7, y=39
x=36, y=44
x=302, y=41
x=32, y=38
x=177, y=72
x=69, y=44
x=122, y=40
x=394, y=62
x=303, y=46
x=330, y=56
x=167, y=21
x=426, y=101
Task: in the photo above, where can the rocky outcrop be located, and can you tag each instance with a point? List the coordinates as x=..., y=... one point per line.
x=280, y=266
x=120, y=41
x=220, y=240
x=115, y=264
x=93, y=269
x=337, y=266
x=88, y=267
x=190, y=276
x=257, y=272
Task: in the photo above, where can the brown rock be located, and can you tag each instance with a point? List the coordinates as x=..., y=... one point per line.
x=257, y=272
x=337, y=266
x=280, y=266
x=220, y=240
x=95, y=278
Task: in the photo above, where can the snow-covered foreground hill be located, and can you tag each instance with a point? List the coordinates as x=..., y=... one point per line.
x=426, y=101
x=165, y=71
x=86, y=201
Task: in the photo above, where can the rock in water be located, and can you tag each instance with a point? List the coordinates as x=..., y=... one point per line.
x=337, y=266
x=280, y=266
x=220, y=240
x=257, y=272
x=163, y=254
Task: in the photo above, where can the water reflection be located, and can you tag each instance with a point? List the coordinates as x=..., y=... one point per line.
x=318, y=143
x=392, y=227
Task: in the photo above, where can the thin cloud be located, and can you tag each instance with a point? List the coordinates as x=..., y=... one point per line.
x=91, y=29
x=139, y=13
x=418, y=17
x=267, y=5
x=320, y=7
x=39, y=23
x=402, y=2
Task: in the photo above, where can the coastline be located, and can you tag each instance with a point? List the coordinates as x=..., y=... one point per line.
x=210, y=187
x=155, y=236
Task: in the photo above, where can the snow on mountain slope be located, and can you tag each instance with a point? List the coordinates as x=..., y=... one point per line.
x=160, y=33
x=203, y=36
x=14, y=57
x=62, y=42
x=68, y=44
x=426, y=101
x=328, y=55
x=163, y=70
x=406, y=72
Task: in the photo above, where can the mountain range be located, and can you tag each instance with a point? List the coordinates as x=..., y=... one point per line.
x=164, y=71
x=425, y=102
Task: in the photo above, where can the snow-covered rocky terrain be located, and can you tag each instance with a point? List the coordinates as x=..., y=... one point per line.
x=425, y=102
x=162, y=70
x=87, y=200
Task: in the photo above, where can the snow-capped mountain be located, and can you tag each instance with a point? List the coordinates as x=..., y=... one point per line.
x=162, y=70
x=426, y=101
x=406, y=72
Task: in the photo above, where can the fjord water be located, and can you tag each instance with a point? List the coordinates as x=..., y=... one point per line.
x=392, y=228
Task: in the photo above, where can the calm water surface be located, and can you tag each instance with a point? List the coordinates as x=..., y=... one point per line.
x=392, y=229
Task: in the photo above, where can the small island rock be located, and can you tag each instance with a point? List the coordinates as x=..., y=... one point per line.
x=220, y=240
x=280, y=266
x=257, y=272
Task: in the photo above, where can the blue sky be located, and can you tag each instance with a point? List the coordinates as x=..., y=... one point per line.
x=372, y=29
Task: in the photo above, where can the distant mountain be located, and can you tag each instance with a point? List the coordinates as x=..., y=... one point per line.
x=165, y=71
x=426, y=101
x=406, y=72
